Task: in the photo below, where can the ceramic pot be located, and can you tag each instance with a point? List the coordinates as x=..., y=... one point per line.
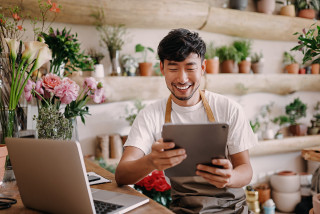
x=238, y=4
x=266, y=6
x=285, y=182
x=244, y=67
x=212, y=66
x=307, y=13
x=264, y=193
x=98, y=71
x=313, y=130
x=286, y=202
x=257, y=67
x=268, y=134
x=288, y=10
x=3, y=156
x=298, y=129
x=292, y=68
x=145, y=68
x=316, y=203
x=302, y=71
x=315, y=68
x=227, y=66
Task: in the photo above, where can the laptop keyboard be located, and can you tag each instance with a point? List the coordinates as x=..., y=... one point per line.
x=105, y=207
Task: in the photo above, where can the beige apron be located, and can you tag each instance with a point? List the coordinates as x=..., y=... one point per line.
x=196, y=195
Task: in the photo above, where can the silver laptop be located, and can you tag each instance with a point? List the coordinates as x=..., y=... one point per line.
x=51, y=177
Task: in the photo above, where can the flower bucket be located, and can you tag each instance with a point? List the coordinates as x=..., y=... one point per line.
x=3, y=156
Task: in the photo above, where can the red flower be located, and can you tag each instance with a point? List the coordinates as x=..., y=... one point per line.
x=155, y=181
x=54, y=8
x=19, y=27
x=2, y=21
x=15, y=16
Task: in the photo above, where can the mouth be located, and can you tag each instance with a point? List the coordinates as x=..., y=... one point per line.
x=182, y=88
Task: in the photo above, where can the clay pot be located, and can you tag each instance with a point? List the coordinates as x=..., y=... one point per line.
x=286, y=173
x=288, y=10
x=307, y=13
x=244, y=67
x=145, y=68
x=3, y=156
x=298, y=129
x=264, y=193
x=266, y=6
x=315, y=68
x=212, y=66
x=238, y=4
x=257, y=67
x=227, y=66
x=313, y=130
x=285, y=181
x=292, y=68
x=286, y=202
x=302, y=71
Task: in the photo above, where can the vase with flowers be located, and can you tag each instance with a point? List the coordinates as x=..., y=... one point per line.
x=52, y=91
x=155, y=187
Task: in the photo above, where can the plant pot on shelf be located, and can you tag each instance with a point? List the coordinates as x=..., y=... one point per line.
x=288, y=10
x=315, y=68
x=257, y=67
x=212, y=66
x=227, y=66
x=298, y=129
x=238, y=4
x=244, y=67
x=307, y=13
x=313, y=130
x=145, y=68
x=302, y=71
x=3, y=157
x=292, y=68
x=266, y=6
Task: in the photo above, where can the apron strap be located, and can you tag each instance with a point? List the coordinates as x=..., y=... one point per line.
x=205, y=104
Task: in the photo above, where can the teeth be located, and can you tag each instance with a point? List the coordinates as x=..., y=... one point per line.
x=182, y=88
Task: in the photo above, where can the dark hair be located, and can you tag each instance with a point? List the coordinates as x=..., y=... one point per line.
x=179, y=44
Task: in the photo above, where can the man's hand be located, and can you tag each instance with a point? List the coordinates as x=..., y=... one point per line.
x=161, y=157
x=218, y=177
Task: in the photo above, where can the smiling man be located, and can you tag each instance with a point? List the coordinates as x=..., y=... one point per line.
x=213, y=190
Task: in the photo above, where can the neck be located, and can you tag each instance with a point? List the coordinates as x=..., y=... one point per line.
x=185, y=103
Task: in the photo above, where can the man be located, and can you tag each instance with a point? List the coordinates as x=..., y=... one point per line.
x=214, y=190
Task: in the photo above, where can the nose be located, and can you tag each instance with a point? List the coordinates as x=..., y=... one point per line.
x=182, y=76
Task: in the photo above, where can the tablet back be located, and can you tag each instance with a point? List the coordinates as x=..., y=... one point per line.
x=201, y=141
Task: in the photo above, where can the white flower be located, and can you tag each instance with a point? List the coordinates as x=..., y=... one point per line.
x=13, y=46
x=44, y=56
x=31, y=49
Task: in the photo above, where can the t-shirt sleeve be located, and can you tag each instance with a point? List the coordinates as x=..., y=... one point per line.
x=140, y=135
x=241, y=136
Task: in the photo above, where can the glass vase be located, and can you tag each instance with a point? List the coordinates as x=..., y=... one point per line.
x=74, y=133
x=115, y=60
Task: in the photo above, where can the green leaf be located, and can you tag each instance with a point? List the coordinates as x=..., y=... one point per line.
x=139, y=48
x=150, y=49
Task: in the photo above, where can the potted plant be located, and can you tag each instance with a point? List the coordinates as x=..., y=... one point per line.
x=265, y=6
x=287, y=9
x=295, y=111
x=307, y=8
x=291, y=65
x=212, y=66
x=98, y=67
x=255, y=127
x=243, y=47
x=228, y=56
x=281, y=121
x=129, y=64
x=144, y=66
x=315, y=122
x=85, y=64
x=257, y=62
x=238, y=4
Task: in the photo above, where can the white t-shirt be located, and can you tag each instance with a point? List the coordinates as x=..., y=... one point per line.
x=147, y=127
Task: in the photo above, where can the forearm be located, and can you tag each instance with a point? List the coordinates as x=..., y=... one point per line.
x=132, y=171
x=241, y=176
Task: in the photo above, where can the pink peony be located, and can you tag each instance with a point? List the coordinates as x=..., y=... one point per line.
x=98, y=96
x=90, y=82
x=28, y=89
x=50, y=81
x=67, y=91
x=39, y=89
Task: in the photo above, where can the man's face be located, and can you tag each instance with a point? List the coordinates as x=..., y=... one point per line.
x=183, y=78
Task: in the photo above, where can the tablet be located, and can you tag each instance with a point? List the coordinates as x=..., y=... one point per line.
x=202, y=143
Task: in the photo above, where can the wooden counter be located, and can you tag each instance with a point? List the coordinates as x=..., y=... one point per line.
x=10, y=189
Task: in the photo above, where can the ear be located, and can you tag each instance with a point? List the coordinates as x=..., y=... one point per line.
x=203, y=66
x=162, y=68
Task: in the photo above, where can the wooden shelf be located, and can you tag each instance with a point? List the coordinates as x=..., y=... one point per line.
x=289, y=144
x=192, y=14
x=147, y=88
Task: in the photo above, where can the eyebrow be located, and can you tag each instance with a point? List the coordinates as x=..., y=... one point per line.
x=174, y=63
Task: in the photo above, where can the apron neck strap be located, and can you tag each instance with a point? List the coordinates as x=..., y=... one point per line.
x=205, y=104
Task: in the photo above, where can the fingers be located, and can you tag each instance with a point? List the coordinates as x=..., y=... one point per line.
x=161, y=146
x=225, y=163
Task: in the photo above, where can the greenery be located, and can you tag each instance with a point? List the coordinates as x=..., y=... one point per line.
x=288, y=58
x=243, y=47
x=211, y=51
x=51, y=124
x=144, y=51
x=309, y=44
x=95, y=55
x=256, y=57
x=307, y=4
x=228, y=53
x=295, y=111
x=132, y=114
x=85, y=63
x=255, y=126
